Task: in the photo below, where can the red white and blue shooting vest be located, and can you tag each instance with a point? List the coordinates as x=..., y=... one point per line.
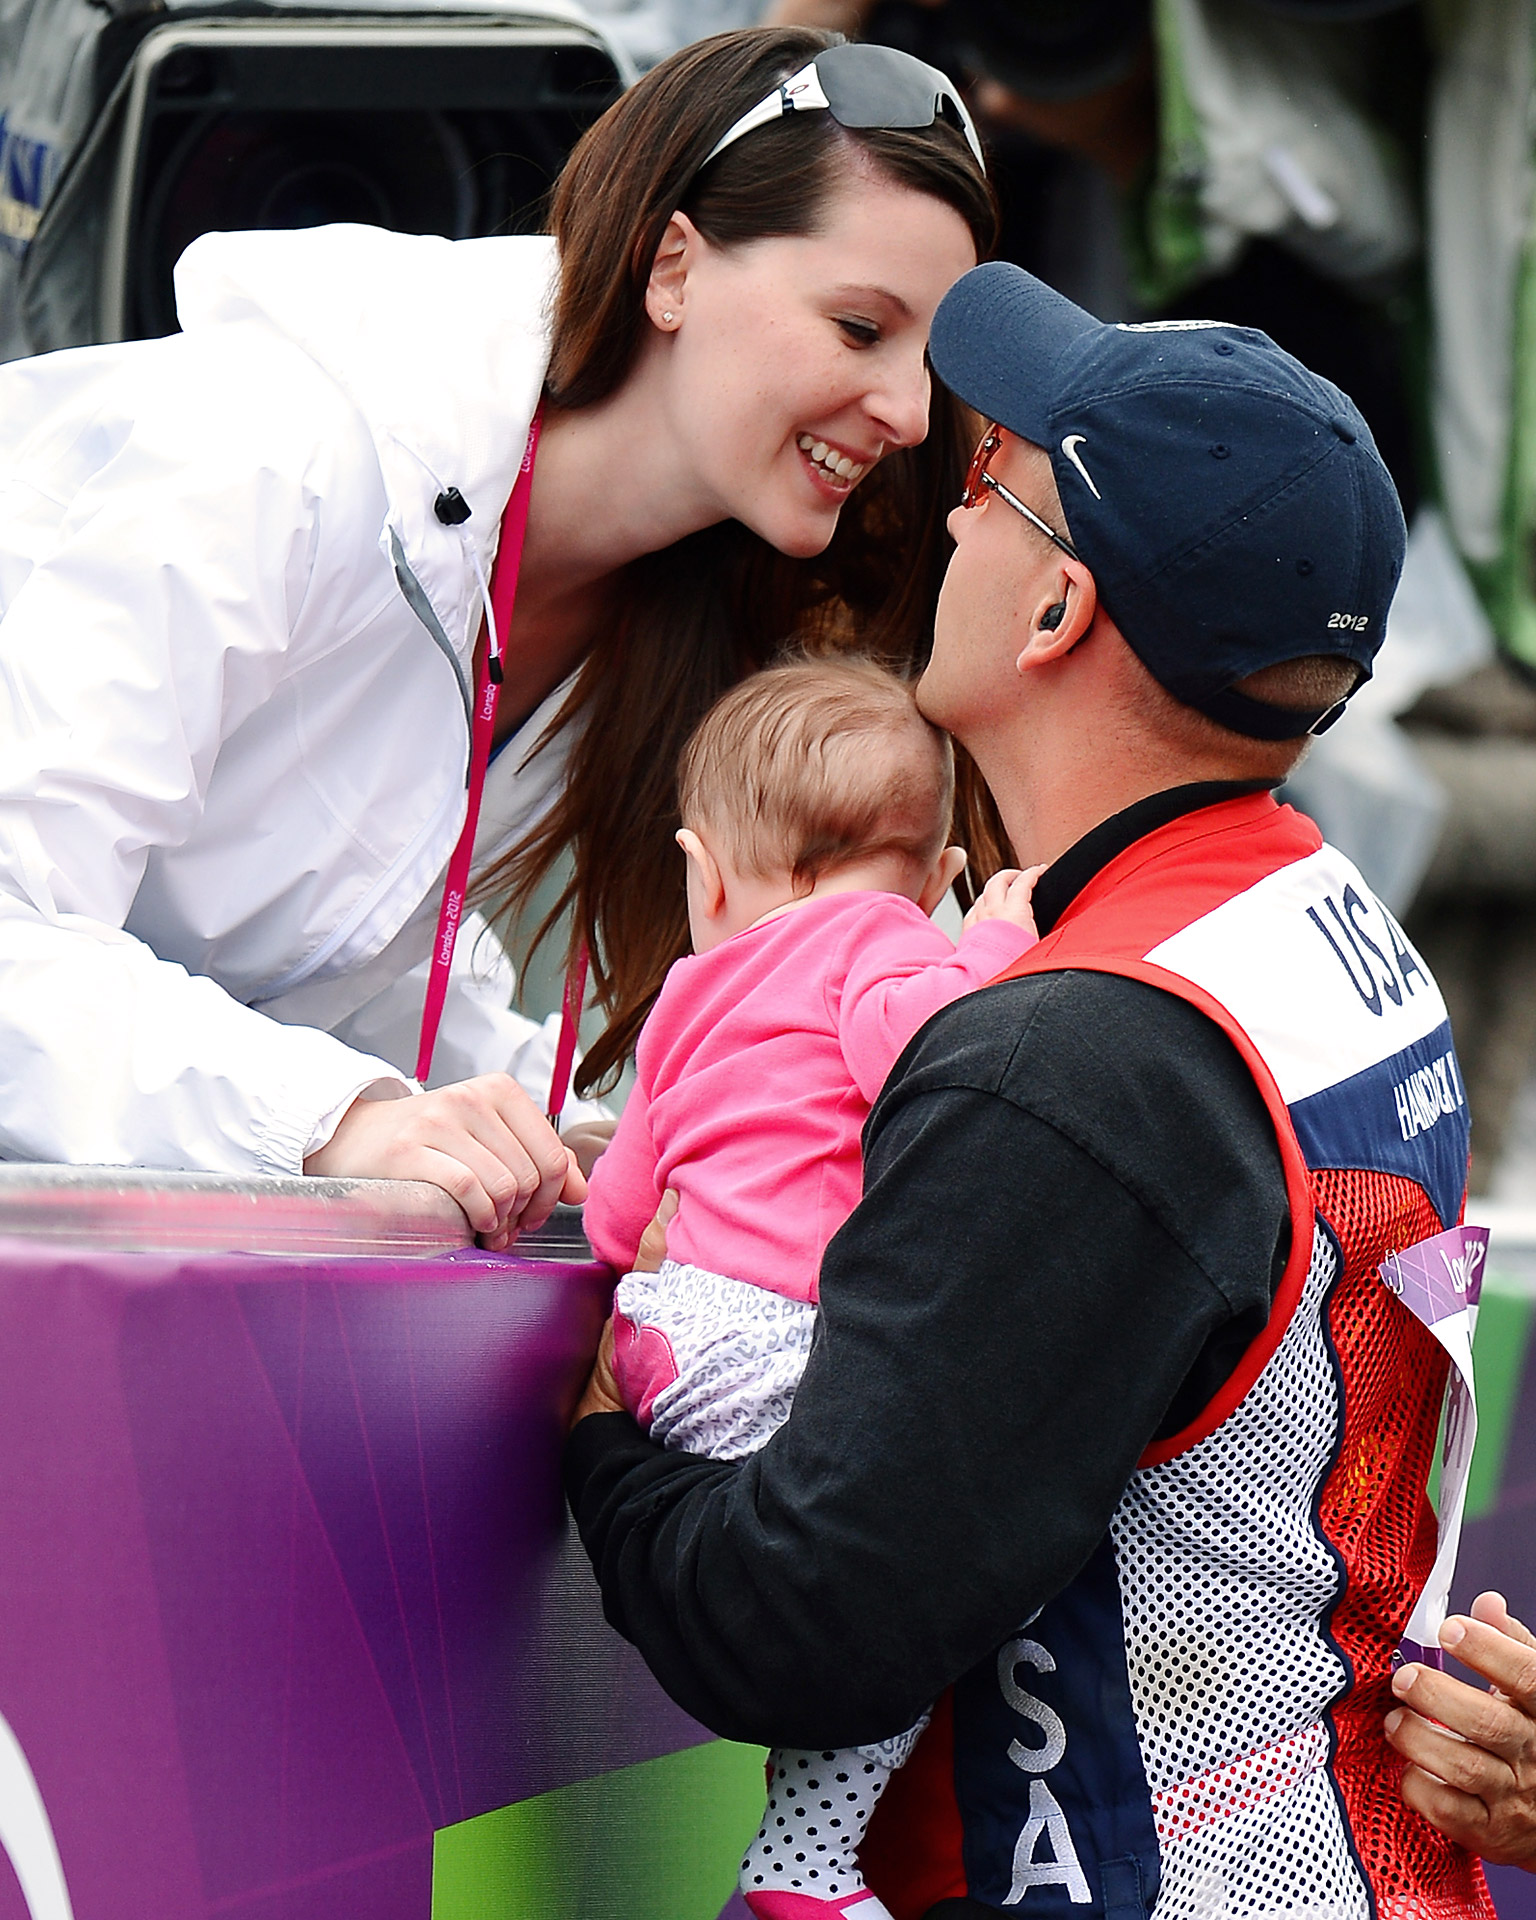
x=1193, y=1728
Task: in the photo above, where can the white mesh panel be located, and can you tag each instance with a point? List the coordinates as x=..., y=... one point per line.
x=1249, y=1782
x=1285, y=1859
x=1225, y=1581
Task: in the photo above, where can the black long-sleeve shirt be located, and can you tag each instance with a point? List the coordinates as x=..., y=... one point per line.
x=1074, y=1218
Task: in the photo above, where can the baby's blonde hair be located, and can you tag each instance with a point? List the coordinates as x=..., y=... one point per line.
x=807, y=767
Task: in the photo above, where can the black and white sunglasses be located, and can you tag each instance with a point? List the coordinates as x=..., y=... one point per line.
x=862, y=86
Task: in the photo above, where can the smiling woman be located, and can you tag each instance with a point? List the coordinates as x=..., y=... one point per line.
x=724, y=315
x=300, y=544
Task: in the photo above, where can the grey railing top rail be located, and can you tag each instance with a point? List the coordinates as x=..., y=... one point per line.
x=145, y=1210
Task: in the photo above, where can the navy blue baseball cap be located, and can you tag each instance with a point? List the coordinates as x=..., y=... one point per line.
x=1231, y=504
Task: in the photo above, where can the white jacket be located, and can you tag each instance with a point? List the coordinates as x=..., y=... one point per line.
x=235, y=647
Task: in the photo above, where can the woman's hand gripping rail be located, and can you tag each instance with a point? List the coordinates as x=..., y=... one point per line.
x=482, y=1140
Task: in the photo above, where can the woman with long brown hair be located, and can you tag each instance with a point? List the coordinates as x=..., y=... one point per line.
x=696, y=428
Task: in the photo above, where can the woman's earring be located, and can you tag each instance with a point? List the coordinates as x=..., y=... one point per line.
x=1053, y=616
x=668, y=316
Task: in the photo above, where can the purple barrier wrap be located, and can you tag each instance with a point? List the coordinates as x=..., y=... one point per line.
x=284, y=1573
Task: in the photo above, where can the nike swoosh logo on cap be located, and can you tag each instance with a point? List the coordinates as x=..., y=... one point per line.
x=1069, y=447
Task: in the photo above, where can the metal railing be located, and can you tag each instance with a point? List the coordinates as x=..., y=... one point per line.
x=147, y=1210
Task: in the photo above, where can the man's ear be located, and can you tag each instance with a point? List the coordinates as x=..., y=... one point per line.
x=665, y=290
x=708, y=879
x=1059, y=616
x=943, y=874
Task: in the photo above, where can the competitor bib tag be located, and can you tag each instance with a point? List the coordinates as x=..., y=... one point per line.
x=1439, y=1281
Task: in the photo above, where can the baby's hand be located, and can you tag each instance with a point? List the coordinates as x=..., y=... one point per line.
x=1007, y=896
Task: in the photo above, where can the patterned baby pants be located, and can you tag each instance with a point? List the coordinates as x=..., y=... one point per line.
x=709, y=1365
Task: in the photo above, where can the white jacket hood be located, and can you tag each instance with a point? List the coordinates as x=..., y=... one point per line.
x=441, y=345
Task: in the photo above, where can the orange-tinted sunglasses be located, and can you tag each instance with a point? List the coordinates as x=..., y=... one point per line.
x=977, y=478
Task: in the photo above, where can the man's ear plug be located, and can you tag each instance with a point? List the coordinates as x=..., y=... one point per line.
x=1053, y=616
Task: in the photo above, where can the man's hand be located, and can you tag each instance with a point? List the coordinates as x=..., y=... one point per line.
x=483, y=1141
x=601, y=1393
x=1474, y=1775
x=653, y=1242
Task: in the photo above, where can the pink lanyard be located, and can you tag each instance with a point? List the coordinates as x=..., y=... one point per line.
x=503, y=597
x=570, y=1022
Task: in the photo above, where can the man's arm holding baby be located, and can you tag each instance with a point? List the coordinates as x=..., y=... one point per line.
x=1016, y=1308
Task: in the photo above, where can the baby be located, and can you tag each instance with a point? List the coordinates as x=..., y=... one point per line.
x=816, y=803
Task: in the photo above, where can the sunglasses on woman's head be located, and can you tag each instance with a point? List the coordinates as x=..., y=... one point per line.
x=979, y=480
x=862, y=86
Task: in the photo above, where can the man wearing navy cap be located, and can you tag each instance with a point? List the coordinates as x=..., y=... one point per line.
x=1113, y=1442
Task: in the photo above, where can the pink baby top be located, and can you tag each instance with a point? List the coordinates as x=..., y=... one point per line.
x=755, y=1073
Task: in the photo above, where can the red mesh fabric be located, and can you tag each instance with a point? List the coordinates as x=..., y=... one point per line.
x=1375, y=1511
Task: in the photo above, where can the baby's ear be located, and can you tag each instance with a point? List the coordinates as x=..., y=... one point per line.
x=710, y=881
x=946, y=870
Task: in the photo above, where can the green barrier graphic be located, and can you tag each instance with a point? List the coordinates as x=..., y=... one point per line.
x=658, y=1841
x=1503, y=1334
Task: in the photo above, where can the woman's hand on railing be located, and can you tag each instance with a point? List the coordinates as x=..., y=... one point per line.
x=483, y=1141
x=1472, y=1754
